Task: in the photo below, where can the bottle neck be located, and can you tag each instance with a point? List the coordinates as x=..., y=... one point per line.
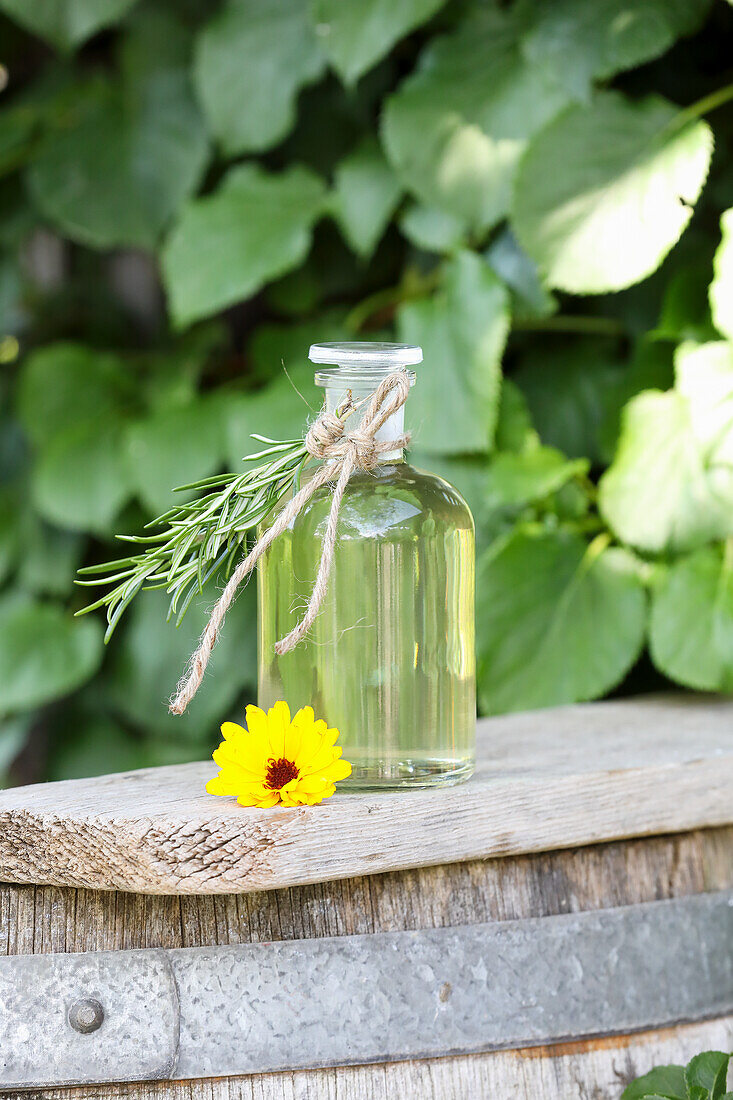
x=336, y=394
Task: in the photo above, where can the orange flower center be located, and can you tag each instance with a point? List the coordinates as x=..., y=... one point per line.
x=280, y=772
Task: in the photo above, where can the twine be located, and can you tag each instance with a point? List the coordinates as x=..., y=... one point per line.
x=327, y=438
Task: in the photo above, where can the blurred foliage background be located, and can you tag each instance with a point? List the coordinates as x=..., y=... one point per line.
x=193, y=191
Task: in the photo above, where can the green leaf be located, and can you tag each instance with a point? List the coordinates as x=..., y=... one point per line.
x=174, y=446
x=558, y=621
x=650, y=368
x=462, y=330
x=18, y=127
x=252, y=59
x=691, y=631
x=44, y=653
x=153, y=655
x=721, y=288
x=9, y=532
x=13, y=735
x=277, y=411
x=226, y=246
x=366, y=192
x=514, y=428
x=511, y=263
x=80, y=480
x=575, y=42
x=433, y=230
x=93, y=745
x=455, y=130
x=65, y=23
x=659, y=494
x=275, y=349
x=121, y=160
x=50, y=558
x=567, y=388
x=685, y=312
x=667, y=1081
x=514, y=479
x=709, y=1072
x=356, y=36
x=67, y=384
x=588, y=181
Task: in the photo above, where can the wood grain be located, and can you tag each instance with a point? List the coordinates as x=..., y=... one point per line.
x=595, y=1070
x=45, y=918
x=544, y=780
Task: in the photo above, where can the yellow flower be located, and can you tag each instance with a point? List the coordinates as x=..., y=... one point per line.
x=276, y=760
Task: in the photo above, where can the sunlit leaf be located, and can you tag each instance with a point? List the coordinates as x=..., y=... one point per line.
x=455, y=130
x=605, y=191
x=670, y=486
x=721, y=288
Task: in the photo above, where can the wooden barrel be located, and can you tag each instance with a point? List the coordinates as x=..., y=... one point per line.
x=554, y=927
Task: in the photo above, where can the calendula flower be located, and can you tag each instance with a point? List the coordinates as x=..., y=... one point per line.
x=278, y=760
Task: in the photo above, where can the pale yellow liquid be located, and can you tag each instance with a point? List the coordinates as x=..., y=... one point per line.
x=390, y=660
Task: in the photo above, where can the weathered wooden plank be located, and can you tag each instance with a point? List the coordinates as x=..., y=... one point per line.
x=45, y=919
x=597, y=1069
x=544, y=780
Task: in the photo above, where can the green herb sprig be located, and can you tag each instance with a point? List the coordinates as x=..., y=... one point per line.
x=201, y=537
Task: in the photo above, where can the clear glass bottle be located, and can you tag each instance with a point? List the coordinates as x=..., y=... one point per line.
x=390, y=659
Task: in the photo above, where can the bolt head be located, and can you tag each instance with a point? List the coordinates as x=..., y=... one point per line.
x=86, y=1015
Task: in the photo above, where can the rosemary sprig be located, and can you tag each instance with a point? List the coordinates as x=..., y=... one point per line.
x=197, y=539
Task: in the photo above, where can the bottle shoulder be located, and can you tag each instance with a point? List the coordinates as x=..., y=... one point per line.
x=396, y=498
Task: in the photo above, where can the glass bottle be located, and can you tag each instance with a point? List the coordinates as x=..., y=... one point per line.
x=390, y=659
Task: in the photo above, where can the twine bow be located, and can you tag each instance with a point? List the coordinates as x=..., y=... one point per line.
x=327, y=438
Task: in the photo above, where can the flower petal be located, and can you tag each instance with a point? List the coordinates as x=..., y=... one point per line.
x=322, y=759
x=293, y=739
x=340, y=769
x=259, y=730
x=232, y=731
x=222, y=785
x=278, y=720
x=304, y=717
x=241, y=763
x=263, y=803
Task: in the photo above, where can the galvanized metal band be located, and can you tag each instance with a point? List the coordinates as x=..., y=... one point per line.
x=254, y=1008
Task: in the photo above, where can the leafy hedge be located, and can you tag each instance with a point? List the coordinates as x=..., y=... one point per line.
x=192, y=192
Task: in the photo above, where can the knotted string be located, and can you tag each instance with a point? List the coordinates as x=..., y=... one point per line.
x=345, y=451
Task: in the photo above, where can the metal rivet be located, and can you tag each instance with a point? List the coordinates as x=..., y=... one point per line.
x=86, y=1015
